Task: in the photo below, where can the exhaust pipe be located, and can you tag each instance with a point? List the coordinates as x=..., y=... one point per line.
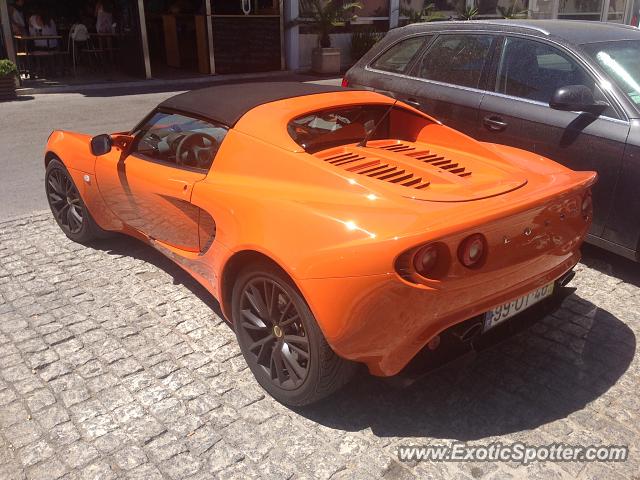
x=566, y=278
x=469, y=333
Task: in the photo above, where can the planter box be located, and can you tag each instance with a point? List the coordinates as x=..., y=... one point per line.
x=325, y=60
x=7, y=88
x=309, y=41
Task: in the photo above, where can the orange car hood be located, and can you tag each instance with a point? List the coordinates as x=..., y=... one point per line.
x=419, y=171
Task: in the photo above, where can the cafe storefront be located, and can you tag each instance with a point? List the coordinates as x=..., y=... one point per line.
x=145, y=38
x=184, y=38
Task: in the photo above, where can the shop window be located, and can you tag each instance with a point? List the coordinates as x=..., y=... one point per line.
x=397, y=58
x=581, y=9
x=456, y=59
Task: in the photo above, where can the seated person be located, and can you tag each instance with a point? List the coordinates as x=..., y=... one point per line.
x=41, y=23
x=104, y=17
x=16, y=16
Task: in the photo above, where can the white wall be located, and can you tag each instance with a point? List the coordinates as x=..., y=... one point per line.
x=309, y=41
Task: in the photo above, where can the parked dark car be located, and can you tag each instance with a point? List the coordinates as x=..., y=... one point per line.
x=568, y=90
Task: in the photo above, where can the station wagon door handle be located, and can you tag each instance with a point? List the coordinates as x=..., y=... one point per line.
x=494, y=123
x=413, y=102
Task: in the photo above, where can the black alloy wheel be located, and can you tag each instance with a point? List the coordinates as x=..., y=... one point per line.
x=277, y=338
x=65, y=201
x=67, y=206
x=281, y=340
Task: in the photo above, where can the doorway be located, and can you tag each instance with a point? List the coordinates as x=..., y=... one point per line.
x=178, y=37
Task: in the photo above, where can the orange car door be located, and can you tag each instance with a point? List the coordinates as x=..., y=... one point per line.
x=149, y=185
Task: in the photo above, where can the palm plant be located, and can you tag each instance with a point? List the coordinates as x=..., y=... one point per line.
x=323, y=16
x=512, y=11
x=468, y=13
x=427, y=13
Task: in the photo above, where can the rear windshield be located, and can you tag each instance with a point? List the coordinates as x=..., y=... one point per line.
x=339, y=126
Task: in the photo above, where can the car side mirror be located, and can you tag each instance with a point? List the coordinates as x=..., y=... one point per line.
x=576, y=98
x=101, y=144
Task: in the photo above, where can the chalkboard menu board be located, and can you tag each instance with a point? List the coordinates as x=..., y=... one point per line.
x=246, y=44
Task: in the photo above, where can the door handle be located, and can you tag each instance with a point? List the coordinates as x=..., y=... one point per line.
x=494, y=123
x=180, y=186
x=413, y=102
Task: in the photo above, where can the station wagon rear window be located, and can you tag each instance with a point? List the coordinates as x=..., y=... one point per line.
x=456, y=59
x=397, y=58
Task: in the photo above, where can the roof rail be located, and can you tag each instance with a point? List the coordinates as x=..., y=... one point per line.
x=486, y=22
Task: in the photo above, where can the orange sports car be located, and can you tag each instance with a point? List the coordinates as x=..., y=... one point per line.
x=334, y=227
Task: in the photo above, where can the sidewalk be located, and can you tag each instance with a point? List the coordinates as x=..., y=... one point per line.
x=175, y=83
x=115, y=364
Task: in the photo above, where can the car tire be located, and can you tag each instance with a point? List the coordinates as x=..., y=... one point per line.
x=281, y=340
x=66, y=204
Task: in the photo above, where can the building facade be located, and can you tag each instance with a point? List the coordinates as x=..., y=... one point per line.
x=154, y=38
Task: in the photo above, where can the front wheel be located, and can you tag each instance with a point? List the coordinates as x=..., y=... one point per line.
x=281, y=341
x=67, y=206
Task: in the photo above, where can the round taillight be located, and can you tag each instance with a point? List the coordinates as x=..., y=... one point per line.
x=426, y=260
x=472, y=251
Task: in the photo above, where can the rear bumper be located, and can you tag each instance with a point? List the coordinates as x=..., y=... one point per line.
x=383, y=321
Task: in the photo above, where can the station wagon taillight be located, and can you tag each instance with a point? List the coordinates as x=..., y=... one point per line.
x=345, y=82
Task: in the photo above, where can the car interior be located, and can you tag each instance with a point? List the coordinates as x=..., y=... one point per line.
x=180, y=140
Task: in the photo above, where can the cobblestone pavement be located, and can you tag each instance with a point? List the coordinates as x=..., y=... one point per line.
x=114, y=363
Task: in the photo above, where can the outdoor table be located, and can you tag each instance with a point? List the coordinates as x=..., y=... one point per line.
x=30, y=53
x=105, y=42
x=27, y=38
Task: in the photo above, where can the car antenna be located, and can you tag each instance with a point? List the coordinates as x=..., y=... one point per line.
x=363, y=142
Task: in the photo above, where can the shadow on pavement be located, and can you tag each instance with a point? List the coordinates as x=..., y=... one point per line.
x=553, y=367
x=19, y=98
x=112, y=89
x=607, y=262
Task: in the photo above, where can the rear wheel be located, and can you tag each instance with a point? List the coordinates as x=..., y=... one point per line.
x=67, y=206
x=281, y=341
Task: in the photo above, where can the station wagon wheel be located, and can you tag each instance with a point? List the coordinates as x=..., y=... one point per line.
x=65, y=201
x=280, y=339
x=67, y=206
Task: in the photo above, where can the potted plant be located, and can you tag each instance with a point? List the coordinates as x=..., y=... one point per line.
x=8, y=73
x=468, y=12
x=427, y=13
x=323, y=16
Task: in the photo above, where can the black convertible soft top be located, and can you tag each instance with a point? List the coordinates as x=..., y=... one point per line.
x=226, y=104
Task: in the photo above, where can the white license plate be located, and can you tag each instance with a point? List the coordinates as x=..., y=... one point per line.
x=514, y=307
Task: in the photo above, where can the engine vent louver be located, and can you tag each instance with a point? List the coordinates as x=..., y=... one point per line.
x=427, y=156
x=376, y=168
x=406, y=165
x=419, y=170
